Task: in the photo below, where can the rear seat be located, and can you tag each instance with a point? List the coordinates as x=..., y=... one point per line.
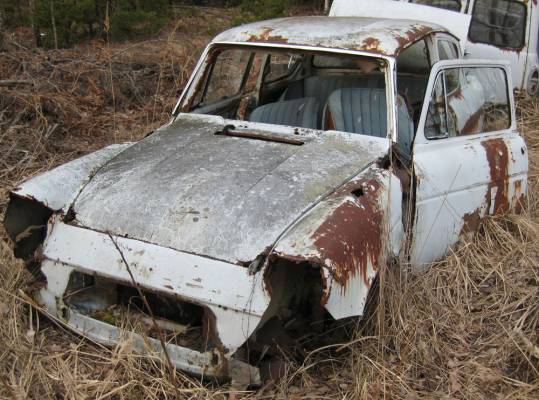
x=321, y=86
x=299, y=112
x=304, y=101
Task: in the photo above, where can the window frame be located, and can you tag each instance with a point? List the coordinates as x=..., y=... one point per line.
x=459, y=2
x=291, y=71
x=209, y=76
x=524, y=29
x=440, y=66
x=430, y=55
x=443, y=37
x=198, y=76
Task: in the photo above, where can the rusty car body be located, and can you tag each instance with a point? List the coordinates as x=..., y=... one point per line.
x=304, y=155
x=496, y=29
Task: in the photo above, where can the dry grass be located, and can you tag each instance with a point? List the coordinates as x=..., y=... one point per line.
x=466, y=328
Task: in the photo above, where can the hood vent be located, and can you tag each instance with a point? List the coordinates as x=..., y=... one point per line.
x=230, y=130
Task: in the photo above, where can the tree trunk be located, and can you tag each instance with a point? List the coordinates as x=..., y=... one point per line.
x=327, y=5
x=53, y=22
x=2, y=28
x=35, y=28
x=99, y=18
x=106, y=23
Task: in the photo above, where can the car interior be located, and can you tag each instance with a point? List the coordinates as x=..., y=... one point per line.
x=313, y=90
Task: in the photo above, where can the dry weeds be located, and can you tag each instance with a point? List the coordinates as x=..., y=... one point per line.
x=466, y=328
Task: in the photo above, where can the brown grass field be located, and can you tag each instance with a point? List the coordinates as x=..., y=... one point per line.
x=467, y=328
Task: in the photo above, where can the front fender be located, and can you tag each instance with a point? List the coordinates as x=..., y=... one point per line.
x=350, y=235
x=34, y=201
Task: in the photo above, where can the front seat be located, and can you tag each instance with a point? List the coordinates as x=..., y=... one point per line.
x=364, y=111
x=299, y=112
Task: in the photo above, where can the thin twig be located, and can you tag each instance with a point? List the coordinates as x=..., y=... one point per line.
x=150, y=312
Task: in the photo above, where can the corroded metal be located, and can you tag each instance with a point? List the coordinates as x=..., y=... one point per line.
x=378, y=36
x=350, y=234
x=455, y=23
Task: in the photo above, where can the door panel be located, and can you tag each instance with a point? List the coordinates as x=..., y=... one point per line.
x=458, y=183
x=466, y=162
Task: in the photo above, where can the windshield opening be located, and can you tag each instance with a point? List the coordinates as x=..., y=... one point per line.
x=297, y=88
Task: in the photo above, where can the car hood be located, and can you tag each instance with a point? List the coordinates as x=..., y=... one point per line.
x=228, y=198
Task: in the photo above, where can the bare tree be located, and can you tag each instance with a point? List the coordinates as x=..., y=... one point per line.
x=53, y=23
x=35, y=28
x=2, y=28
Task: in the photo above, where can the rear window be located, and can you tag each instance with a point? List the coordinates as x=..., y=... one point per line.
x=452, y=5
x=281, y=65
x=501, y=23
x=349, y=63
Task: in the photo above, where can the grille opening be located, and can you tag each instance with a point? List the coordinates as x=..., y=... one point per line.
x=181, y=323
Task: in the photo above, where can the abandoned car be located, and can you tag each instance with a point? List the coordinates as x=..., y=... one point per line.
x=303, y=155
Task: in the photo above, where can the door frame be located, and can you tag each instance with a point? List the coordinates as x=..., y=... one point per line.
x=448, y=64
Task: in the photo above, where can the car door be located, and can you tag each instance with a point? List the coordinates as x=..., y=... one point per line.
x=468, y=158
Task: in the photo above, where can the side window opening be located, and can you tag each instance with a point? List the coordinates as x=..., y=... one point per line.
x=468, y=101
x=281, y=65
x=501, y=23
x=447, y=50
x=226, y=76
x=413, y=69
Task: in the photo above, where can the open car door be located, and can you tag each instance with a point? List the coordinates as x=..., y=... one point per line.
x=468, y=158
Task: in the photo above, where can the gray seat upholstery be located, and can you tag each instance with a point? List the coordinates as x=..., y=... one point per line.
x=364, y=111
x=321, y=86
x=299, y=112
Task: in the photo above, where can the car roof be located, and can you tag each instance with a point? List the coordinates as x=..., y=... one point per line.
x=386, y=37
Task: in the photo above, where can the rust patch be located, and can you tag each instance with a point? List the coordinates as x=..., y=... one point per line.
x=351, y=237
x=457, y=94
x=266, y=36
x=330, y=122
x=498, y=160
x=371, y=44
x=411, y=36
x=471, y=223
x=518, y=187
x=209, y=332
x=519, y=198
x=472, y=124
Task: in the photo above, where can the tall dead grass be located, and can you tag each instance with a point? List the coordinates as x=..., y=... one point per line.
x=466, y=328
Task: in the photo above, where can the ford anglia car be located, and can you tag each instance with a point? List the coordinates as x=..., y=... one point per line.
x=304, y=155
